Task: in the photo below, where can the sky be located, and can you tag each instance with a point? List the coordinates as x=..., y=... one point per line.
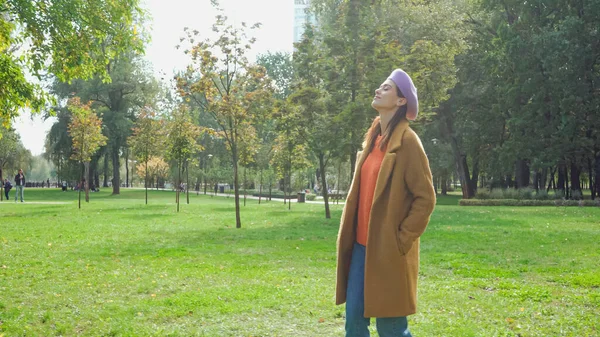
x=167, y=21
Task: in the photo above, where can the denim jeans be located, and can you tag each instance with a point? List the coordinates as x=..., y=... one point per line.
x=18, y=188
x=356, y=324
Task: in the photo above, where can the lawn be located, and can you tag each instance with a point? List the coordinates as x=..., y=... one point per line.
x=118, y=267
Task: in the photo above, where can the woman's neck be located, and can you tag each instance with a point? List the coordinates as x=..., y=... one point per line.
x=384, y=120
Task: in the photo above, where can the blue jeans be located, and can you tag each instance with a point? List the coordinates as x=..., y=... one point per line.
x=356, y=324
x=19, y=188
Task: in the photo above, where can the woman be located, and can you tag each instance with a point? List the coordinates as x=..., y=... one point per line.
x=388, y=207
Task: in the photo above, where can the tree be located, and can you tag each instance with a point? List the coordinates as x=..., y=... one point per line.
x=146, y=140
x=86, y=133
x=222, y=81
x=9, y=148
x=63, y=38
x=156, y=168
x=289, y=150
x=280, y=70
x=181, y=142
x=131, y=89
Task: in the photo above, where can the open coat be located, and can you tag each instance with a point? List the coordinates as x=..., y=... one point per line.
x=402, y=204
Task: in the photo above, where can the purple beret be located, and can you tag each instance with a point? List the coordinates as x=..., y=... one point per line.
x=408, y=89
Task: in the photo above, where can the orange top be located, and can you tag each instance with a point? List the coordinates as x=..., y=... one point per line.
x=368, y=179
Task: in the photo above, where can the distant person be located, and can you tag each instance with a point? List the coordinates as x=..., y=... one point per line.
x=48, y=182
x=64, y=186
x=7, y=188
x=20, y=183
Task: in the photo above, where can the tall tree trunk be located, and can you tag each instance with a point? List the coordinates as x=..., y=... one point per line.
x=597, y=174
x=475, y=176
x=460, y=160
x=106, y=160
x=543, y=177
x=444, y=182
x=87, y=181
x=116, y=181
x=80, y=187
x=260, y=186
x=127, y=169
x=245, y=183
x=146, y=180
x=1, y=183
x=236, y=185
x=521, y=174
x=187, y=183
x=353, y=153
x=560, y=184
x=178, y=184
x=575, y=181
x=324, y=185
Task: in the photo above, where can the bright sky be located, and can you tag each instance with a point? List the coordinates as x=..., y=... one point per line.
x=168, y=18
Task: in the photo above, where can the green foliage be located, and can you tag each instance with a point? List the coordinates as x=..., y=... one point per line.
x=85, y=130
x=67, y=39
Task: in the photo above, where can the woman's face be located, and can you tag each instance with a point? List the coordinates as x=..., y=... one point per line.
x=386, y=97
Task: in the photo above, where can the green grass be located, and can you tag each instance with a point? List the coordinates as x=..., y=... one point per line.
x=118, y=267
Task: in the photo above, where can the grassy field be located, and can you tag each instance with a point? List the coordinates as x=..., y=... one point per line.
x=118, y=267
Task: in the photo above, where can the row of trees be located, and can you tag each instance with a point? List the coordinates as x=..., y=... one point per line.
x=508, y=95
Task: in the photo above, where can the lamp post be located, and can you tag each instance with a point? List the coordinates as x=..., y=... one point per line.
x=205, y=173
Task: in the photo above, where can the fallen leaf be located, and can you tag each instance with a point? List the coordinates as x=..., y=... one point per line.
x=321, y=320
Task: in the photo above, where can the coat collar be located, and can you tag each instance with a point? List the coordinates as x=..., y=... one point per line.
x=396, y=138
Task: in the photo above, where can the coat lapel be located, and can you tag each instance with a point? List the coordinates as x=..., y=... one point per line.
x=389, y=160
x=387, y=166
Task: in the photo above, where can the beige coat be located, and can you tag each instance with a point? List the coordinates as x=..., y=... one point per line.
x=402, y=204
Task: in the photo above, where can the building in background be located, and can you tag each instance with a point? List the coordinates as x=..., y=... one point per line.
x=301, y=17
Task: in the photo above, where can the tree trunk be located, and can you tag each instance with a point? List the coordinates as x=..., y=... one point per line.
x=146, y=180
x=80, y=186
x=444, y=182
x=597, y=175
x=543, y=178
x=106, y=157
x=260, y=187
x=324, y=185
x=178, y=184
x=521, y=173
x=87, y=181
x=461, y=162
x=475, y=176
x=1, y=184
x=352, y=161
x=127, y=169
x=245, y=183
x=575, y=182
x=236, y=188
x=560, y=184
x=116, y=181
x=187, y=183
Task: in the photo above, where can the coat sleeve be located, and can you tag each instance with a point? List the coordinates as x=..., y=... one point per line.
x=420, y=184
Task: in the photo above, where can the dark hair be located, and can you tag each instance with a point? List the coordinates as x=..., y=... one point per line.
x=375, y=129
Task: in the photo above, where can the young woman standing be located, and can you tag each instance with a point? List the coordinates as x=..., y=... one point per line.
x=388, y=208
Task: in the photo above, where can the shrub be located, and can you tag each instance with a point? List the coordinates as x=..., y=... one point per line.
x=576, y=195
x=311, y=197
x=511, y=193
x=515, y=202
x=497, y=193
x=483, y=194
x=525, y=193
x=542, y=195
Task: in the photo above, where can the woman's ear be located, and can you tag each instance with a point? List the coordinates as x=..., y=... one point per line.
x=401, y=101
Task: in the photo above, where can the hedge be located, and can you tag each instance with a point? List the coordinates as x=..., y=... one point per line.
x=515, y=202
